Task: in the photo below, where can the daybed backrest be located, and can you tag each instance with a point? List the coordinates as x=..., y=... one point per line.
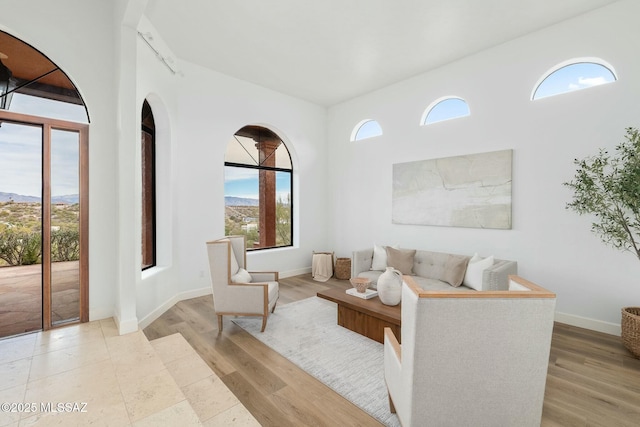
x=475, y=358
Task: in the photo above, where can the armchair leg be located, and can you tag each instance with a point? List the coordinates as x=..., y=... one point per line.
x=273, y=308
x=392, y=408
x=264, y=323
x=219, y=323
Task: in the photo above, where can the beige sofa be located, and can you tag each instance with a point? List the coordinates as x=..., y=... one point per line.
x=437, y=271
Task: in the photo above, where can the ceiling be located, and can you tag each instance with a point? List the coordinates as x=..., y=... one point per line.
x=330, y=51
x=33, y=73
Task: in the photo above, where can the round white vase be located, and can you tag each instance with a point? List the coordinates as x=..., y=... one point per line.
x=390, y=287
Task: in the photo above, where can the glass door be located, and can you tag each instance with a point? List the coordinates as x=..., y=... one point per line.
x=43, y=223
x=65, y=226
x=20, y=228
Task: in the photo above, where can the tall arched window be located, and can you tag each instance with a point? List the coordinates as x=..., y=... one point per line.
x=44, y=213
x=148, y=166
x=366, y=129
x=573, y=75
x=445, y=108
x=258, y=188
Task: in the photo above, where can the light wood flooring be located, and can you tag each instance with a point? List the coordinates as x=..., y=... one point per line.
x=592, y=379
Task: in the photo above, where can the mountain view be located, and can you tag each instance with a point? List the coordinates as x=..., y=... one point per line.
x=69, y=199
x=242, y=216
x=240, y=201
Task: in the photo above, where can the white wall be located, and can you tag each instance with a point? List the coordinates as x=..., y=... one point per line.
x=212, y=107
x=82, y=45
x=94, y=42
x=553, y=246
x=204, y=109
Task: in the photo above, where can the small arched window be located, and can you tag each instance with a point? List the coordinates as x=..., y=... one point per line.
x=148, y=166
x=366, y=129
x=258, y=188
x=573, y=75
x=445, y=108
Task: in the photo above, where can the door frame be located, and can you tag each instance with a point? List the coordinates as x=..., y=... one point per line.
x=47, y=125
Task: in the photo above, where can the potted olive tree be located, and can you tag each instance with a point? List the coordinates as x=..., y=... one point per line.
x=608, y=187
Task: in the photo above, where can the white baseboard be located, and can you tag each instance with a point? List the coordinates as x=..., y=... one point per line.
x=587, y=323
x=149, y=318
x=291, y=273
x=125, y=326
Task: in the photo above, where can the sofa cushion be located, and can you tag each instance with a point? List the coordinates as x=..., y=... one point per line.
x=436, y=285
x=441, y=266
x=379, y=261
x=475, y=270
x=401, y=259
x=455, y=268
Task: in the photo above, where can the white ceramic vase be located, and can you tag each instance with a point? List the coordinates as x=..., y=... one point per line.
x=390, y=287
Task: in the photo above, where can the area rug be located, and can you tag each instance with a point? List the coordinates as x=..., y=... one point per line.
x=306, y=333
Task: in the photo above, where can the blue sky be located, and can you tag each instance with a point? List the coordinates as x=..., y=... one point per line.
x=21, y=152
x=241, y=182
x=574, y=77
x=446, y=109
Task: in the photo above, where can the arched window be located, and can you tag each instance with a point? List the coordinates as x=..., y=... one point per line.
x=573, y=75
x=445, y=108
x=366, y=129
x=258, y=188
x=148, y=166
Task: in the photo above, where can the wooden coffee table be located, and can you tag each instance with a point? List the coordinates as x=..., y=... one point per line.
x=367, y=317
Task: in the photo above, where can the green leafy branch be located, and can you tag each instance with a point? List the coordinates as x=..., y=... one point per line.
x=608, y=187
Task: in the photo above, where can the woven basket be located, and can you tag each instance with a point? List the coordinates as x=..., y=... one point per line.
x=343, y=268
x=631, y=329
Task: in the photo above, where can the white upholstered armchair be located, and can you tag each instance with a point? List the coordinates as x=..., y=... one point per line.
x=236, y=291
x=470, y=358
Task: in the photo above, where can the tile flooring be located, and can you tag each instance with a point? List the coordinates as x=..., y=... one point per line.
x=106, y=379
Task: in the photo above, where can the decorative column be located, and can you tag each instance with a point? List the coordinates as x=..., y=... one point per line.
x=267, y=188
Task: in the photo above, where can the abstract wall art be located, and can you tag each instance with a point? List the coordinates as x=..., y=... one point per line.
x=463, y=191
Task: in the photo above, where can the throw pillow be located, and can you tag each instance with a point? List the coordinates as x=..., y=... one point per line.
x=455, y=268
x=379, y=261
x=475, y=269
x=242, y=276
x=401, y=259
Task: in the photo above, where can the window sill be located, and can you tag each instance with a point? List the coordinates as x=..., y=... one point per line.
x=153, y=271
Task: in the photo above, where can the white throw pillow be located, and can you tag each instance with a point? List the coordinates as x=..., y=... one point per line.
x=379, y=261
x=242, y=276
x=475, y=268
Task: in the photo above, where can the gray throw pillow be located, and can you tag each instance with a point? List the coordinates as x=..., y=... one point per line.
x=402, y=260
x=455, y=268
